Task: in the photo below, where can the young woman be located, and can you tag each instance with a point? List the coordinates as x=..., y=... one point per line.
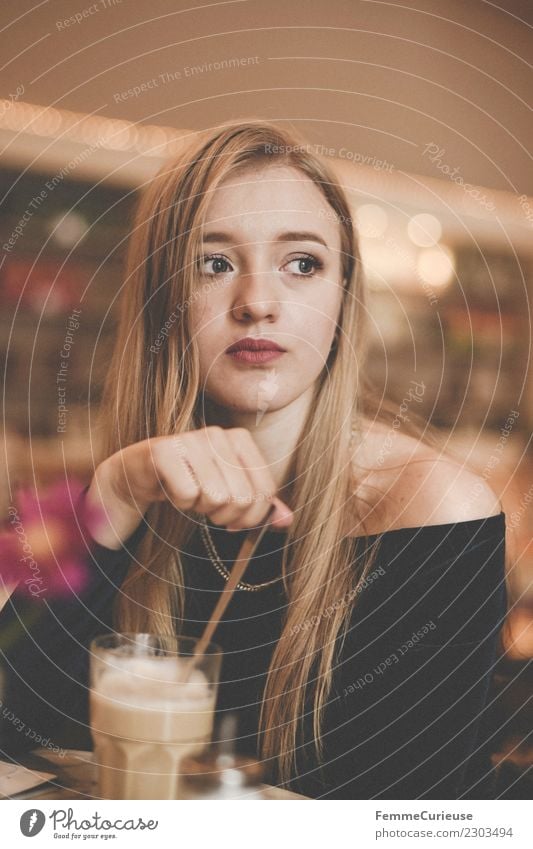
x=359, y=647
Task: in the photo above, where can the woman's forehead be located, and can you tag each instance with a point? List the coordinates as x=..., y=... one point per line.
x=268, y=199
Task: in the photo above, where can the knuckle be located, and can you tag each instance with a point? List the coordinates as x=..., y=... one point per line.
x=217, y=497
x=178, y=444
x=246, y=500
x=153, y=447
x=186, y=500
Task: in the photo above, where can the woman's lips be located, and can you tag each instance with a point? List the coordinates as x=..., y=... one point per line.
x=255, y=357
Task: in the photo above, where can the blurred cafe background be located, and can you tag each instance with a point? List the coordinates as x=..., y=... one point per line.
x=424, y=111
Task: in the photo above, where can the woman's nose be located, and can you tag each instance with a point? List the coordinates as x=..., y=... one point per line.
x=255, y=297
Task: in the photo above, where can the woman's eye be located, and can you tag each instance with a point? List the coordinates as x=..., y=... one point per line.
x=215, y=265
x=305, y=266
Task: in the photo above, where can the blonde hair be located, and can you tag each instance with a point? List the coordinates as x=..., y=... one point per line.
x=155, y=392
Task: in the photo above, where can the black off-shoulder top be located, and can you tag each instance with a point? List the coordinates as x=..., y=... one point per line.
x=408, y=713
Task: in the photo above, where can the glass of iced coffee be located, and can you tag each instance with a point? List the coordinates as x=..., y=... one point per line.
x=148, y=710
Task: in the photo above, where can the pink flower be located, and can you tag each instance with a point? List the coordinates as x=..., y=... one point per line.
x=44, y=543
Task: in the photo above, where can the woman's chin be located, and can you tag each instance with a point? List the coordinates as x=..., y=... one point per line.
x=246, y=403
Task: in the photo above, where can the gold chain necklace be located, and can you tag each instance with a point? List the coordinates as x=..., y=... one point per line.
x=216, y=561
x=221, y=569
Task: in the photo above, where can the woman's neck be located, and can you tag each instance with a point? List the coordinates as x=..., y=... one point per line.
x=276, y=432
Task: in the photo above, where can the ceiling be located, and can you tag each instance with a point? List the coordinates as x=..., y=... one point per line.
x=373, y=78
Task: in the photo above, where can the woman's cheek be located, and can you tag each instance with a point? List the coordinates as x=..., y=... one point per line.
x=319, y=336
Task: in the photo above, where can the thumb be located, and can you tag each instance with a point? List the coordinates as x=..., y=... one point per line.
x=282, y=516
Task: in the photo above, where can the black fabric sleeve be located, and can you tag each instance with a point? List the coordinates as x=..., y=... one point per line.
x=414, y=680
x=44, y=654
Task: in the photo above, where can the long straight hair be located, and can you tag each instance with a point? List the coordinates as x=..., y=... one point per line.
x=153, y=389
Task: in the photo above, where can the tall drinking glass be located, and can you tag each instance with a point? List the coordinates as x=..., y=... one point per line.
x=144, y=716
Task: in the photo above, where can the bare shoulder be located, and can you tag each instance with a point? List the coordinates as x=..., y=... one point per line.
x=410, y=484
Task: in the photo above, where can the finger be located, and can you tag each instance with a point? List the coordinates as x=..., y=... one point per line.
x=261, y=479
x=213, y=491
x=180, y=486
x=175, y=482
x=283, y=516
x=237, y=481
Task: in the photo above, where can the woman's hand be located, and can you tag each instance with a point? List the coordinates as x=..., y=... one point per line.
x=216, y=471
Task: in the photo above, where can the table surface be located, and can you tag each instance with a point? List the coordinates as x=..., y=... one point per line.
x=77, y=779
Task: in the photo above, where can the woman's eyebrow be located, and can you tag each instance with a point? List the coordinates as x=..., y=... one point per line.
x=305, y=236
x=291, y=236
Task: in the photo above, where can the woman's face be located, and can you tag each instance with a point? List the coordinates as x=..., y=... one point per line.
x=270, y=268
